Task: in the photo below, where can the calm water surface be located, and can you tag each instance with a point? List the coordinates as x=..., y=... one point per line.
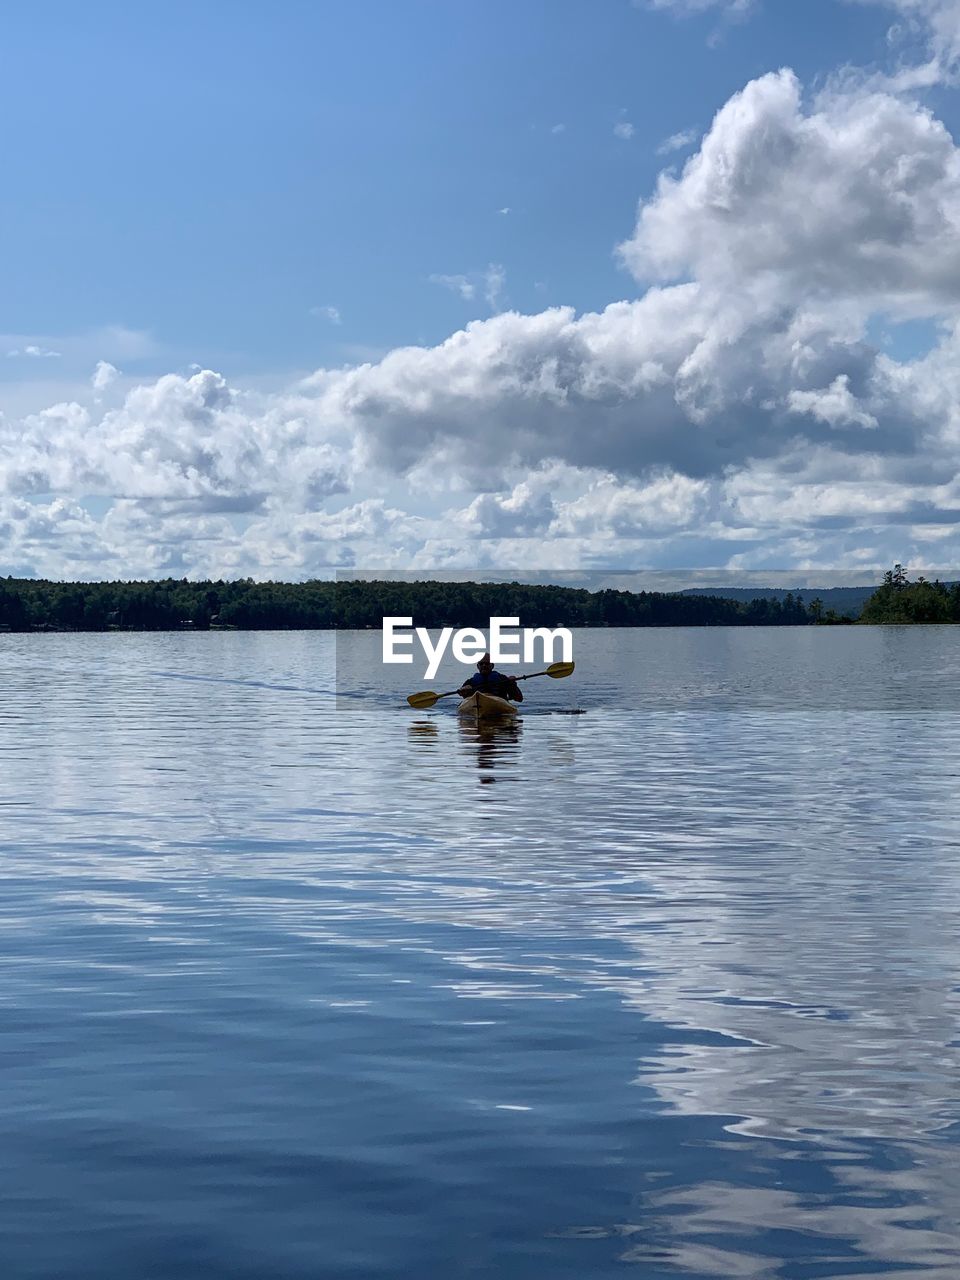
x=296, y=986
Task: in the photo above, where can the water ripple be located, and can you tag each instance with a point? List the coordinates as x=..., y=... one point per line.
x=295, y=986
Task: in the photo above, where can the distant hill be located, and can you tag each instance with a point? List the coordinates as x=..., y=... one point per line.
x=846, y=601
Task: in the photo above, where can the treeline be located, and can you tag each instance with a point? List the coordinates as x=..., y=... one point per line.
x=32, y=604
x=28, y=604
x=898, y=600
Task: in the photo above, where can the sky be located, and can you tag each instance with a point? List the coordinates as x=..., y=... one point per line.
x=447, y=284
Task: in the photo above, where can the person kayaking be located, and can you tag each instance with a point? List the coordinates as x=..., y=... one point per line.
x=489, y=680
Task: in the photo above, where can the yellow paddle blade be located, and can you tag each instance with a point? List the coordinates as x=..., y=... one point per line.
x=423, y=700
x=560, y=669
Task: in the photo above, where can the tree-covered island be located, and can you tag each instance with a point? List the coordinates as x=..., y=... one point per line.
x=34, y=604
x=897, y=600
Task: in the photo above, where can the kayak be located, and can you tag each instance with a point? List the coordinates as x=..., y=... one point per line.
x=486, y=706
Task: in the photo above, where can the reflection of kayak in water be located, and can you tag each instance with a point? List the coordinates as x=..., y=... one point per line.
x=487, y=706
x=496, y=742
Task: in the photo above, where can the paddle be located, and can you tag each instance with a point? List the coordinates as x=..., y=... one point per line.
x=556, y=670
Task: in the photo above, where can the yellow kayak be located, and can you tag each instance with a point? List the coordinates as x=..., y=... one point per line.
x=485, y=706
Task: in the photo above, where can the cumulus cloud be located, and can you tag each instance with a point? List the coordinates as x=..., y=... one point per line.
x=857, y=197
x=623, y=130
x=685, y=377
x=667, y=502
x=104, y=375
x=527, y=509
x=736, y=411
x=792, y=225
x=189, y=441
x=835, y=405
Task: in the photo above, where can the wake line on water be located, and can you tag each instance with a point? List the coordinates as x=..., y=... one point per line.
x=357, y=694
x=264, y=684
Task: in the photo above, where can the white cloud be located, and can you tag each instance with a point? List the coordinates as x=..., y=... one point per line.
x=685, y=8
x=934, y=26
x=527, y=509
x=609, y=507
x=937, y=24
x=623, y=129
x=488, y=283
x=458, y=284
x=203, y=479
x=559, y=128
x=689, y=377
x=678, y=142
x=494, y=279
x=78, y=351
x=34, y=352
x=327, y=313
x=858, y=197
x=104, y=375
x=734, y=412
x=834, y=405
x=191, y=442
x=505, y=210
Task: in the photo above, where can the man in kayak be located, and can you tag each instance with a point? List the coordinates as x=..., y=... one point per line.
x=487, y=680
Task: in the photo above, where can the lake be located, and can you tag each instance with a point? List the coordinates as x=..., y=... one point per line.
x=302, y=985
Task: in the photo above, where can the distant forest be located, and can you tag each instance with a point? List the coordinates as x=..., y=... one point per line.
x=28, y=604
x=33, y=604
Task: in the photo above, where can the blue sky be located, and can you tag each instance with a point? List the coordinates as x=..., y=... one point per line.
x=213, y=203
x=210, y=172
